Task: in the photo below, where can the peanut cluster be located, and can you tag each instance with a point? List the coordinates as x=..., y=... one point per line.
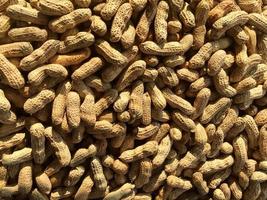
x=133, y=99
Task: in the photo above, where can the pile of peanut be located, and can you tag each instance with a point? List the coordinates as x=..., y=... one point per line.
x=133, y=99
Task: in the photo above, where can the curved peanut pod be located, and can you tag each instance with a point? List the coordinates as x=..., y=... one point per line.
x=61, y=148
x=84, y=189
x=140, y=152
x=17, y=157
x=147, y=131
x=11, y=141
x=184, y=122
x=29, y=34
x=38, y=142
x=39, y=101
x=177, y=182
x=25, y=181
x=27, y=14
x=59, y=103
x=164, y=149
x=177, y=102
x=262, y=142
x=10, y=73
x=16, y=49
x=157, y=97
x=213, y=166
x=69, y=21
x=55, y=8
x=134, y=71
x=120, y=21
x=98, y=174
x=110, y=54
x=37, y=76
x=124, y=190
x=259, y=21
x=78, y=41
x=73, y=109
x=88, y=68
x=40, y=55
x=105, y=101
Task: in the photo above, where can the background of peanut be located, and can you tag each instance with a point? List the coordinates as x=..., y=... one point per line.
x=133, y=99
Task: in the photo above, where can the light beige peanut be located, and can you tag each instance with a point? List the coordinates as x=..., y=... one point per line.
x=235, y=189
x=142, y=28
x=111, y=72
x=258, y=20
x=39, y=101
x=98, y=26
x=38, y=142
x=59, y=145
x=43, y=183
x=62, y=192
x=10, y=73
x=105, y=101
x=5, y=25
x=128, y=36
x=155, y=182
x=219, y=177
x=160, y=23
x=73, y=109
x=157, y=97
x=230, y=20
x=217, y=142
x=212, y=166
x=87, y=110
x=163, y=151
x=78, y=41
x=147, y=131
x=55, y=8
x=177, y=182
x=88, y=68
x=68, y=21
x=262, y=143
x=59, y=103
x=110, y=9
x=21, y=13
x=120, y=21
x=40, y=55
x=187, y=17
x=216, y=62
x=97, y=83
x=110, y=54
x=147, y=115
x=98, y=175
x=143, y=151
x=169, y=48
x=17, y=157
x=123, y=191
x=145, y=172
x=240, y=151
x=193, y=156
x=183, y=121
x=16, y=49
x=74, y=176
x=204, y=53
x=252, y=129
x=56, y=71
x=85, y=188
x=212, y=109
x=177, y=102
x=136, y=100
x=82, y=154
x=169, y=77
x=25, y=180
